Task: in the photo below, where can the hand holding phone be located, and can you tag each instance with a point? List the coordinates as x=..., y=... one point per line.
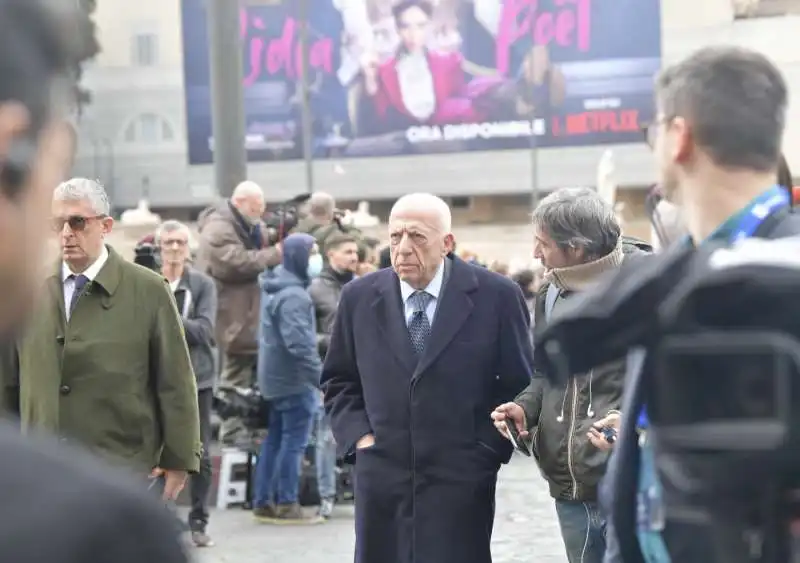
x=513, y=435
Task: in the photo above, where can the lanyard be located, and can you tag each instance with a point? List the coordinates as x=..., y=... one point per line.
x=762, y=207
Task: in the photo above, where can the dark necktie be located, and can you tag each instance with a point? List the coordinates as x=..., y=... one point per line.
x=80, y=285
x=419, y=329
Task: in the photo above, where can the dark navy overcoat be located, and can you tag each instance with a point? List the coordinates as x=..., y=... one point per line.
x=425, y=491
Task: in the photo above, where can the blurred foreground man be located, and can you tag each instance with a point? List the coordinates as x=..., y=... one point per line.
x=419, y=356
x=721, y=172
x=196, y=297
x=114, y=522
x=233, y=251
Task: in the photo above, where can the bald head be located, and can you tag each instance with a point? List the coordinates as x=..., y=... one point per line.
x=321, y=206
x=420, y=237
x=248, y=199
x=248, y=189
x=429, y=206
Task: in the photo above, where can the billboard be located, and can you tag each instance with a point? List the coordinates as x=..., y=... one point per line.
x=403, y=77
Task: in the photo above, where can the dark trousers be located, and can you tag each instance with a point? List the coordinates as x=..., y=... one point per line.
x=200, y=482
x=238, y=371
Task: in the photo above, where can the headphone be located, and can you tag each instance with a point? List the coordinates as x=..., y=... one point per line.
x=15, y=167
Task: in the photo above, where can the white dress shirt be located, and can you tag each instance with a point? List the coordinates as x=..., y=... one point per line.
x=416, y=85
x=434, y=289
x=90, y=273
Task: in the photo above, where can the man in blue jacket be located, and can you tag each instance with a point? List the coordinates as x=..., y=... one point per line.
x=288, y=376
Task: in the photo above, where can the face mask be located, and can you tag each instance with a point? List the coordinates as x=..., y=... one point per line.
x=314, y=266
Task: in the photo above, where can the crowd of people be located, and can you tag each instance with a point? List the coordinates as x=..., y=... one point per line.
x=411, y=363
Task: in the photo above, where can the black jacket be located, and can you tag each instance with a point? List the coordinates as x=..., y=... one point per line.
x=561, y=414
x=64, y=506
x=325, y=292
x=196, y=296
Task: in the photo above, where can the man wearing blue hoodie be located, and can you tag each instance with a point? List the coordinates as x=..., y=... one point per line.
x=288, y=376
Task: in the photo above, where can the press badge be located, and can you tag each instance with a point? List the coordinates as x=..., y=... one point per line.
x=650, y=510
x=650, y=515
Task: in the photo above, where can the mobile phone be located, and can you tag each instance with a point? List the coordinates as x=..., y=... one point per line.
x=610, y=434
x=513, y=435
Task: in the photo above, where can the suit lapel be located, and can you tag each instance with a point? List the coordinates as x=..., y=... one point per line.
x=454, y=308
x=391, y=322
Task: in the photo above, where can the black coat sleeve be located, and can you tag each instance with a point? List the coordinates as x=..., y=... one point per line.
x=341, y=382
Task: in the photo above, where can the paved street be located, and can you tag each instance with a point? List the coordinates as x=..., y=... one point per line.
x=525, y=530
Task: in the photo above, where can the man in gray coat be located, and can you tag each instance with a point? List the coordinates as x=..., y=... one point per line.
x=342, y=260
x=196, y=296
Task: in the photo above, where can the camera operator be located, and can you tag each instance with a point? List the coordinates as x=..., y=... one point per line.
x=324, y=220
x=717, y=136
x=234, y=250
x=196, y=297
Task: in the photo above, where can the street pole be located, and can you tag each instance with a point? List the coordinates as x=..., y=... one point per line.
x=305, y=96
x=227, y=95
x=534, y=156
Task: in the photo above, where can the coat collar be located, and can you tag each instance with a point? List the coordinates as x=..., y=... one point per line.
x=453, y=309
x=107, y=278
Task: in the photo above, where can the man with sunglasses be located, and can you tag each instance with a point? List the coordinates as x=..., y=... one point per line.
x=107, y=340
x=58, y=504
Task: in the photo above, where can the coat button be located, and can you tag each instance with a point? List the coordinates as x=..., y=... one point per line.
x=65, y=389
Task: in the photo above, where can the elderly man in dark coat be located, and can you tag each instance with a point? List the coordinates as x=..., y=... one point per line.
x=418, y=356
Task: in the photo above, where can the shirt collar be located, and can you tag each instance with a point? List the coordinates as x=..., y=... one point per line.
x=92, y=271
x=434, y=287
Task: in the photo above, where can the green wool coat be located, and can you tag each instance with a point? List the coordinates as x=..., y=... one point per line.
x=117, y=378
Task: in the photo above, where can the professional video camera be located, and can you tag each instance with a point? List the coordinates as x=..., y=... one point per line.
x=146, y=253
x=721, y=385
x=284, y=217
x=245, y=404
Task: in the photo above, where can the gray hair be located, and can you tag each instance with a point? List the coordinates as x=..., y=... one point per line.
x=321, y=204
x=735, y=101
x=83, y=189
x=578, y=218
x=173, y=226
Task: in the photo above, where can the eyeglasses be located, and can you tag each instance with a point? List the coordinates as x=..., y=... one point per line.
x=650, y=130
x=76, y=223
x=180, y=243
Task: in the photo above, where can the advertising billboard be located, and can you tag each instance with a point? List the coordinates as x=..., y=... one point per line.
x=404, y=77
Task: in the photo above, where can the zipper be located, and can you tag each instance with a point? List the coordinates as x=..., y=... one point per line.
x=571, y=437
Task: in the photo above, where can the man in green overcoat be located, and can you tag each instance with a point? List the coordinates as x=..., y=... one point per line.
x=104, y=362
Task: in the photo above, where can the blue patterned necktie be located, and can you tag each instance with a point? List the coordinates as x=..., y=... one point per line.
x=419, y=329
x=80, y=285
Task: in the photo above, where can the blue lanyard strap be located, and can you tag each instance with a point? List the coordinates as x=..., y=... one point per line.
x=759, y=209
x=762, y=207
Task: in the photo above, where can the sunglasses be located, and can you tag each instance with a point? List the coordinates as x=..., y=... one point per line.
x=76, y=223
x=174, y=242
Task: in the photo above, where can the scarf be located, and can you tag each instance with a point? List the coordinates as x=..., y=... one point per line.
x=584, y=276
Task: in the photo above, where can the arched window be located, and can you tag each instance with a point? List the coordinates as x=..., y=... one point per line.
x=149, y=129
